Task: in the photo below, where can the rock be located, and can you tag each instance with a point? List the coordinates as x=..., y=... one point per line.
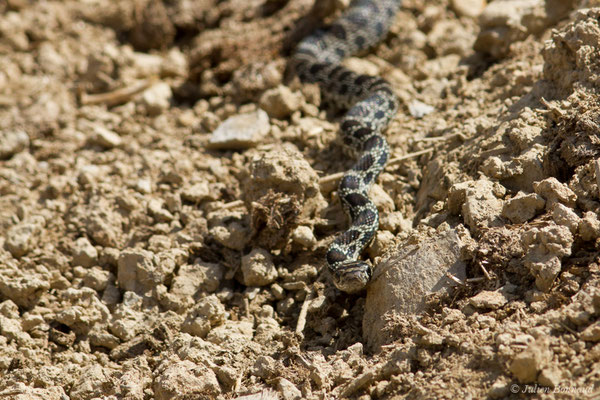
x=10, y=324
x=268, y=328
x=144, y=186
x=419, y=109
x=30, y=321
x=258, y=268
x=563, y=215
x=144, y=65
x=401, y=281
x=84, y=253
x=157, y=98
x=554, y=191
x=499, y=390
x=437, y=38
x=241, y=131
x=527, y=364
x=468, y=8
x=488, y=299
x=589, y=226
x=105, y=138
x=304, y=273
x=288, y=390
x=523, y=207
x=12, y=142
x=181, y=380
x=280, y=102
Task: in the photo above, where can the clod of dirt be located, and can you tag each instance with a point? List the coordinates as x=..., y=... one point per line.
x=157, y=98
x=21, y=390
x=563, y=215
x=12, y=142
x=488, y=299
x=589, y=226
x=191, y=281
x=570, y=57
x=84, y=253
x=258, y=268
x=504, y=22
x=282, y=190
x=527, y=364
x=288, y=390
x=104, y=138
x=545, y=248
x=84, y=309
x=402, y=280
x=241, y=131
x=232, y=334
x=141, y=270
x=21, y=238
x=523, y=207
x=468, y=8
x=304, y=236
x=280, y=102
x=152, y=27
x=478, y=203
x=184, y=379
x=555, y=192
x=209, y=312
x=197, y=192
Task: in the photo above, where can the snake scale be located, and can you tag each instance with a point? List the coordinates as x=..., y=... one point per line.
x=370, y=104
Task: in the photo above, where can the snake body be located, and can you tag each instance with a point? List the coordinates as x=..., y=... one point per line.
x=371, y=104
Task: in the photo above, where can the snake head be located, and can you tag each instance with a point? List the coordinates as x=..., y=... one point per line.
x=352, y=277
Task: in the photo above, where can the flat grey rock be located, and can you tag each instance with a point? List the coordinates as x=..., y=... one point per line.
x=401, y=282
x=241, y=131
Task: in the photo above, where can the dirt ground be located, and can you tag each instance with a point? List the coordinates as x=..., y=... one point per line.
x=168, y=193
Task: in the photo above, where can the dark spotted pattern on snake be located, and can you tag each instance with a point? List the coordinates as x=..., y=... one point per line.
x=371, y=104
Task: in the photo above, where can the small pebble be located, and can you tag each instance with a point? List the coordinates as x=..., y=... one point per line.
x=12, y=142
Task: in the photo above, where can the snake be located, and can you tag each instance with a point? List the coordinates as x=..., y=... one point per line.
x=370, y=104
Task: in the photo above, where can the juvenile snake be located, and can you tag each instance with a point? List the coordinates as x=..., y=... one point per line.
x=371, y=104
